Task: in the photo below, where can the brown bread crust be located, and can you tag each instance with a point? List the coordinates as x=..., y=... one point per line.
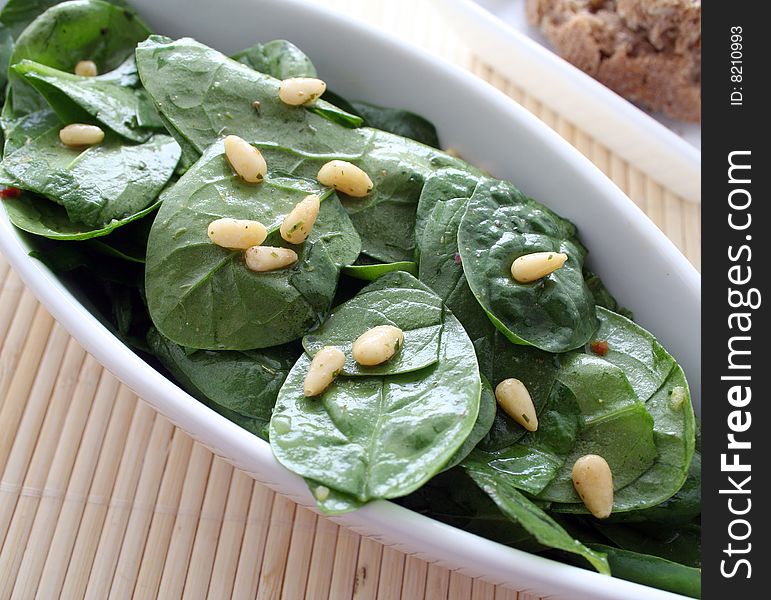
x=649, y=51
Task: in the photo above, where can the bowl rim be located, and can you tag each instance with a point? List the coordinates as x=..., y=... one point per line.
x=382, y=520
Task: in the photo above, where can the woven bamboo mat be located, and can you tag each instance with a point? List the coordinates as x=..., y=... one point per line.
x=101, y=497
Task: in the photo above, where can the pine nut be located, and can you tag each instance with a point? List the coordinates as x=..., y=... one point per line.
x=593, y=482
x=321, y=493
x=531, y=267
x=377, y=345
x=297, y=91
x=299, y=222
x=79, y=135
x=677, y=397
x=268, y=258
x=246, y=160
x=515, y=400
x=86, y=68
x=325, y=366
x=345, y=177
x=238, y=234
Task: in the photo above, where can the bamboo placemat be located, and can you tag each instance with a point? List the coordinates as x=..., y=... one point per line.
x=101, y=497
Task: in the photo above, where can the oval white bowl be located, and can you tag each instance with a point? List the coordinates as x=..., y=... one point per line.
x=641, y=266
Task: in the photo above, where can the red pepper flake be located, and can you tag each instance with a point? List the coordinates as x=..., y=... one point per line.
x=599, y=347
x=457, y=259
x=10, y=192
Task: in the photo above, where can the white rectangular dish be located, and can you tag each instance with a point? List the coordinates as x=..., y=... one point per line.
x=666, y=150
x=639, y=264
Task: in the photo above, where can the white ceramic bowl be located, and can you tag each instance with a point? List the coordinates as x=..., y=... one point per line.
x=638, y=262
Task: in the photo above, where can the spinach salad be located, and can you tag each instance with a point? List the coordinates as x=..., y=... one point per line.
x=318, y=271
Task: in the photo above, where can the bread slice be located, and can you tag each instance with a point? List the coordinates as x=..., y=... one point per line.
x=649, y=51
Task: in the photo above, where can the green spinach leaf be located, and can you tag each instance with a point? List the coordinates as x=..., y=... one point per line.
x=332, y=502
x=499, y=359
x=282, y=59
x=380, y=437
x=680, y=544
x=453, y=498
x=602, y=296
x=104, y=183
x=21, y=131
x=279, y=58
x=18, y=14
x=653, y=571
x=70, y=32
x=440, y=268
x=370, y=272
x=42, y=217
x=616, y=425
x=517, y=507
x=443, y=185
x=556, y=313
x=532, y=463
x=246, y=382
x=398, y=121
x=660, y=383
x=417, y=313
x=112, y=99
x=6, y=49
x=485, y=418
x=682, y=508
x=203, y=296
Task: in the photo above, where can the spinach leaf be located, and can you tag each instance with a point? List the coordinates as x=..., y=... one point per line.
x=246, y=382
x=42, y=217
x=17, y=14
x=380, y=437
x=499, y=359
x=517, y=507
x=616, y=426
x=535, y=461
x=653, y=571
x=556, y=313
x=282, y=59
x=64, y=258
x=370, y=272
x=21, y=131
x=6, y=49
x=417, y=313
x=202, y=296
x=452, y=497
x=70, y=32
x=443, y=185
x=440, y=268
x=279, y=58
x=128, y=243
x=112, y=98
x=660, y=383
x=397, y=121
x=204, y=96
x=682, y=508
x=160, y=349
x=332, y=502
x=602, y=296
x=680, y=544
x=104, y=183
x=485, y=418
